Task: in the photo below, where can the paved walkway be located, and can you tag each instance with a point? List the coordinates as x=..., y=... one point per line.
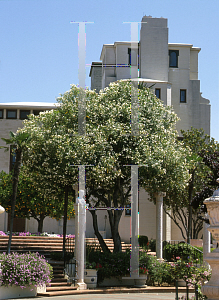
x=132, y=296
x=147, y=295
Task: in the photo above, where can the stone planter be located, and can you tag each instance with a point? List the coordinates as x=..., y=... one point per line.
x=181, y=283
x=90, y=278
x=211, y=289
x=141, y=280
x=17, y=292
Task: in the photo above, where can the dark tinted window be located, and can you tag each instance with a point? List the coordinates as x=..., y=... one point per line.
x=157, y=93
x=183, y=96
x=24, y=114
x=11, y=114
x=173, y=58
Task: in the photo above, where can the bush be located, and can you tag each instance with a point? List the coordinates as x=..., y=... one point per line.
x=24, y=270
x=152, y=245
x=109, y=264
x=184, y=251
x=158, y=271
x=143, y=241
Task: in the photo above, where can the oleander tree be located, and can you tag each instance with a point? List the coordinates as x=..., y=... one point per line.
x=31, y=202
x=186, y=213
x=57, y=148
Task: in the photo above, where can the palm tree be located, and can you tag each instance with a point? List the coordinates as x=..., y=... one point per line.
x=18, y=142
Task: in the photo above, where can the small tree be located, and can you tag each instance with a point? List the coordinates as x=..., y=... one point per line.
x=182, y=213
x=18, y=141
x=31, y=202
x=47, y=159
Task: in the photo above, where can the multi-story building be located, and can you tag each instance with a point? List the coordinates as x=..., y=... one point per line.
x=171, y=70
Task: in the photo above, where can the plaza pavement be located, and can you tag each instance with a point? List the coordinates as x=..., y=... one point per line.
x=122, y=296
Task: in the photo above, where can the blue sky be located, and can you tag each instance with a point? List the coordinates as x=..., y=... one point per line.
x=39, y=45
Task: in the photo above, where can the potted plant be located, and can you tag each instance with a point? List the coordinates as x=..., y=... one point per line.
x=21, y=274
x=90, y=274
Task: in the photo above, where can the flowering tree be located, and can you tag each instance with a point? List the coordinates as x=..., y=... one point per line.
x=109, y=146
x=31, y=202
x=200, y=183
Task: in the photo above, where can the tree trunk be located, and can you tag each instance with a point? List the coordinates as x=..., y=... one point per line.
x=114, y=218
x=191, y=186
x=17, y=168
x=96, y=231
x=65, y=219
x=40, y=223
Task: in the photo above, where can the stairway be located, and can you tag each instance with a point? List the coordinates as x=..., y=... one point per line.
x=46, y=244
x=59, y=284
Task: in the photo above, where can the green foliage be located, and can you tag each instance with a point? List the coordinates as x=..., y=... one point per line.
x=152, y=245
x=30, y=202
x=110, y=264
x=143, y=241
x=56, y=149
x=179, y=200
x=158, y=271
x=183, y=250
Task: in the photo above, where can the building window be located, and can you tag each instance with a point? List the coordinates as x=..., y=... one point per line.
x=182, y=96
x=132, y=57
x=1, y=113
x=24, y=114
x=37, y=112
x=157, y=93
x=173, y=58
x=11, y=114
x=128, y=210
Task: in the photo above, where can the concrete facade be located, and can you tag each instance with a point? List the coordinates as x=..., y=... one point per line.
x=172, y=68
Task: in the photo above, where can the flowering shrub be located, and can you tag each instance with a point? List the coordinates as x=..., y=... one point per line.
x=93, y=265
x=2, y=233
x=190, y=272
x=143, y=270
x=24, y=270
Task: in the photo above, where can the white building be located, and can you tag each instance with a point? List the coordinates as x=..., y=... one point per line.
x=172, y=69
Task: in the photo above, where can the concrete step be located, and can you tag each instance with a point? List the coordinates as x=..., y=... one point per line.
x=58, y=293
x=60, y=288
x=44, y=244
x=58, y=284
x=56, y=280
x=59, y=275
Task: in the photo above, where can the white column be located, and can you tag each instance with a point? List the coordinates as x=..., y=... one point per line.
x=134, y=261
x=168, y=227
x=159, y=225
x=80, y=227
